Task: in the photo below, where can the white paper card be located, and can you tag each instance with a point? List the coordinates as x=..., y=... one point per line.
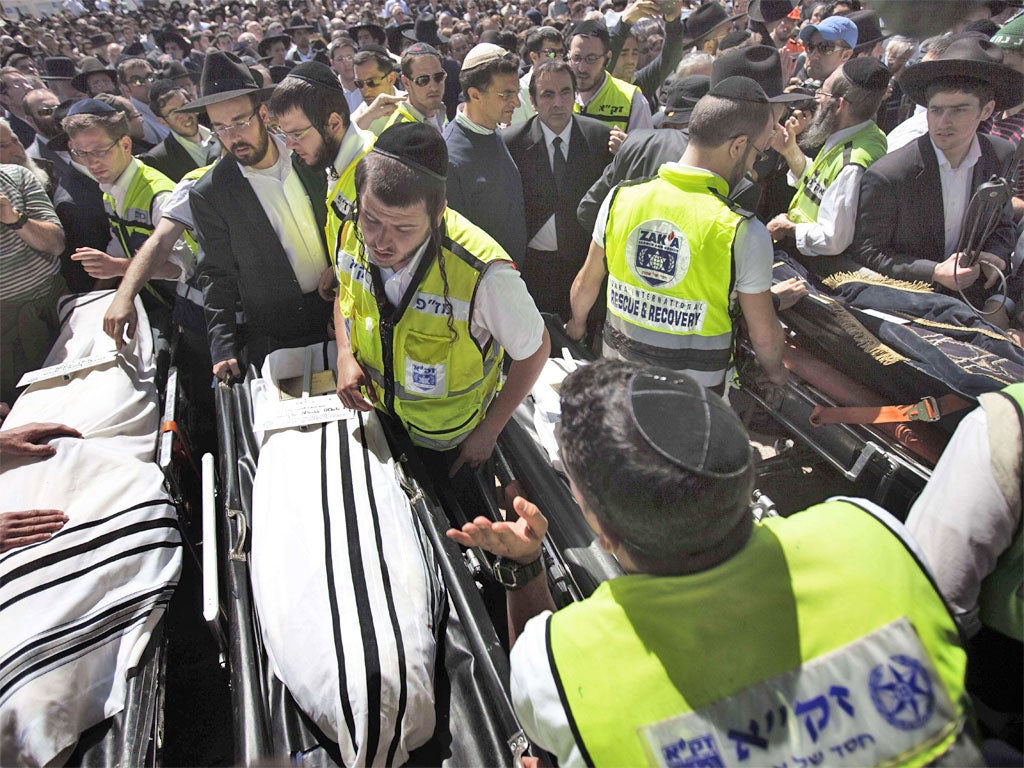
x=270, y=412
x=68, y=367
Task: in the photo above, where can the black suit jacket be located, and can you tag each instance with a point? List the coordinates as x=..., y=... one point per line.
x=900, y=223
x=586, y=160
x=243, y=260
x=173, y=160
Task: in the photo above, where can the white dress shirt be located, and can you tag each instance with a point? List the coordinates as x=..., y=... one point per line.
x=284, y=200
x=197, y=150
x=956, y=191
x=546, y=238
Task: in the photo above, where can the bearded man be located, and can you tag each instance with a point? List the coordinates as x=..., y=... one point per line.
x=823, y=214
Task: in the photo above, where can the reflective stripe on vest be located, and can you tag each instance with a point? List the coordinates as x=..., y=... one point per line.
x=863, y=148
x=341, y=201
x=647, y=651
x=612, y=104
x=668, y=246
x=438, y=386
x=1001, y=602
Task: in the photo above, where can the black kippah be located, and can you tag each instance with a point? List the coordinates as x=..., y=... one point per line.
x=418, y=49
x=867, y=73
x=416, y=145
x=739, y=88
x=315, y=73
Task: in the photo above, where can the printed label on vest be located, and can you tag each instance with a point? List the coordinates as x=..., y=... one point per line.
x=652, y=310
x=347, y=263
x=433, y=305
x=875, y=700
x=343, y=207
x=425, y=378
x=658, y=253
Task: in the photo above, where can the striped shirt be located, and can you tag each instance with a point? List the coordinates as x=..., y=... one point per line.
x=24, y=271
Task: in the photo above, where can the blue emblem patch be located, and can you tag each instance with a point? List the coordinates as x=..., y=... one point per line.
x=697, y=752
x=902, y=692
x=657, y=256
x=424, y=376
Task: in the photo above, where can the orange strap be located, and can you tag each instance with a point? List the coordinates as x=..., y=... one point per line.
x=928, y=409
x=181, y=443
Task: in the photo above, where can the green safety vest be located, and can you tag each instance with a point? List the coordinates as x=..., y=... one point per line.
x=668, y=249
x=863, y=148
x=341, y=198
x=439, y=386
x=612, y=104
x=763, y=659
x=1001, y=601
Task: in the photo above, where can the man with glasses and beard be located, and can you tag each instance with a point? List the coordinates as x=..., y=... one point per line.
x=823, y=213
x=260, y=217
x=682, y=258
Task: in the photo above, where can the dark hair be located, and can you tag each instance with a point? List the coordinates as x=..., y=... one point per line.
x=123, y=66
x=716, y=120
x=864, y=102
x=317, y=103
x=982, y=90
x=365, y=56
x=536, y=38
x=397, y=185
x=158, y=93
x=407, y=59
x=482, y=76
x=550, y=65
x=648, y=503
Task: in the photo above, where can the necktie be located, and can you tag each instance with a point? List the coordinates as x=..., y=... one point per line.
x=559, y=164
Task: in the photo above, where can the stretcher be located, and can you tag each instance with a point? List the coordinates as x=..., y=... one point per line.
x=274, y=720
x=881, y=374
x=83, y=648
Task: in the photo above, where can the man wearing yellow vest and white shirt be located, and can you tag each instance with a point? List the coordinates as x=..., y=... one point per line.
x=681, y=258
x=428, y=305
x=424, y=79
x=133, y=193
x=620, y=104
x=727, y=642
x=309, y=111
x=823, y=214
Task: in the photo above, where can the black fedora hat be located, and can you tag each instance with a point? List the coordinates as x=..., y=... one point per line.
x=708, y=17
x=296, y=22
x=425, y=31
x=90, y=66
x=869, y=29
x=264, y=45
x=396, y=34
x=972, y=58
x=760, y=63
x=374, y=29
x=768, y=11
x=224, y=78
x=172, y=35
x=59, y=68
x=175, y=70
x=135, y=49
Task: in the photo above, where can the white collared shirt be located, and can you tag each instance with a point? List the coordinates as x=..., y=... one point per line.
x=546, y=238
x=956, y=191
x=196, y=149
x=181, y=254
x=438, y=121
x=290, y=213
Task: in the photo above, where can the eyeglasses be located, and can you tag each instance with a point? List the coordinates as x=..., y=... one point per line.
x=241, y=125
x=291, y=136
x=350, y=57
x=553, y=53
x=423, y=80
x=505, y=95
x=373, y=82
x=821, y=93
x=763, y=153
x=824, y=49
x=96, y=154
x=590, y=60
x=143, y=80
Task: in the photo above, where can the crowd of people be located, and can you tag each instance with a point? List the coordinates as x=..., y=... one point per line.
x=421, y=183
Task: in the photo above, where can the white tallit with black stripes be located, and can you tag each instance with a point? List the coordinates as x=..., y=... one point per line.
x=348, y=594
x=76, y=610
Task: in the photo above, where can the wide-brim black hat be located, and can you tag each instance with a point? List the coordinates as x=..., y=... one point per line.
x=708, y=17
x=172, y=36
x=296, y=22
x=969, y=57
x=264, y=45
x=681, y=96
x=374, y=29
x=869, y=29
x=18, y=50
x=425, y=31
x=174, y=70
x=396, y=34
x=90, y=66
x=767, y=11
x=760, y=63
x=224, y=77
x=59, y=68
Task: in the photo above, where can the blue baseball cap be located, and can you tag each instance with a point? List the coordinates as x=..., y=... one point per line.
x=832, y=29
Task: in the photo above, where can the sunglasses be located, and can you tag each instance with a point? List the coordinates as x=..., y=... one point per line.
x=824, y=49
x=373, y=82
x=45, y=111
x=423, y=80
x=146, y=80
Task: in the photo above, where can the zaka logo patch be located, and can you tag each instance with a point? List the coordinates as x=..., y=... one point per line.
x=658, y=253
x=424, y=376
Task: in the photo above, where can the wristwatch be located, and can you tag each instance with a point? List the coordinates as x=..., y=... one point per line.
x=22, y=218
x=513, y=575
